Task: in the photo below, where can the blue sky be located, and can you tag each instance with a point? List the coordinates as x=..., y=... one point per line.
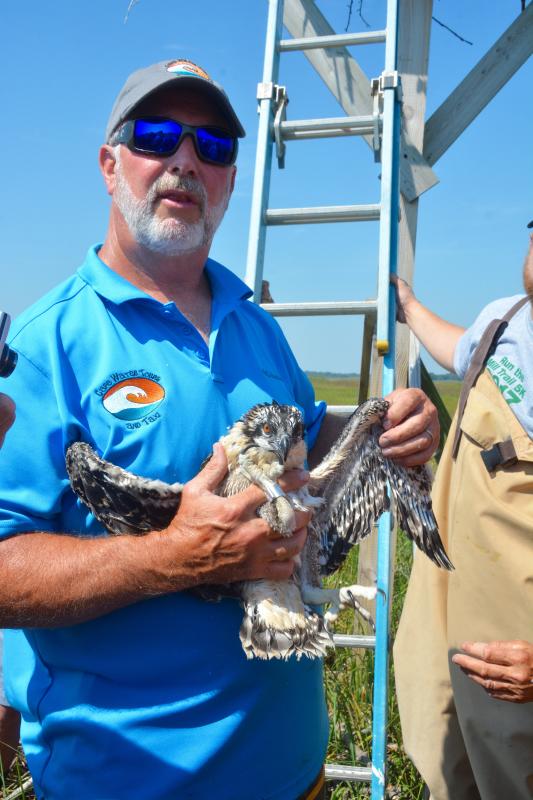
x=64, y=62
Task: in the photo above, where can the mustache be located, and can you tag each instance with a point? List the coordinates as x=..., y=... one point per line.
x=178, y=183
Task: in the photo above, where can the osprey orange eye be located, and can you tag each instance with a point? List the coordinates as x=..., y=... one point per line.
x=266, y=428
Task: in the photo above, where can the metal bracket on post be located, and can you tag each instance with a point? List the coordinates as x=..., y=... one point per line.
x=278, y=95
x=391, y=80
x=376, y=116
x=281, y=99
x=265, y=91
x=387, y=80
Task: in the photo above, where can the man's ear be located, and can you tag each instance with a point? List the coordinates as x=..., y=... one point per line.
x=107, y=162
x=232, y=181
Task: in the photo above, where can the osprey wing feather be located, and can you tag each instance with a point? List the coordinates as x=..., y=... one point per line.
x=352, y=480
x=121, y=501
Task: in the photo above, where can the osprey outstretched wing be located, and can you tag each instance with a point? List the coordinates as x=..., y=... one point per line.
x=352, y=480
x=121, y=501
x=347, y=491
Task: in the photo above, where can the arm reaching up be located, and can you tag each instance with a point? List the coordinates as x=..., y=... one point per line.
x=438, y=336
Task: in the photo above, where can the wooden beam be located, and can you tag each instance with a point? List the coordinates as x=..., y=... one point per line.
x=471, y=96
x=367, y=573
x=346, y=80
x=414, y=30
x=340, y=72
x=369, y=330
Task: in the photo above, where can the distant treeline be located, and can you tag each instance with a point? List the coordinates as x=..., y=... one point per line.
x=335, y=376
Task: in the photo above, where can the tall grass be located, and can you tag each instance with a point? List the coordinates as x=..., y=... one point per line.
x=349, y=682
x=17, y=785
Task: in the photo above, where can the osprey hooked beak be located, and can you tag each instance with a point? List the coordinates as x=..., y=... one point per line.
x=281, y=447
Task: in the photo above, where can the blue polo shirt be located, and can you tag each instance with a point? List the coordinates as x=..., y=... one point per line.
x=157, y=700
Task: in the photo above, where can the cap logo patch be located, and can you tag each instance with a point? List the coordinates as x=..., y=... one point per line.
x=133, y=399
x=187, y=68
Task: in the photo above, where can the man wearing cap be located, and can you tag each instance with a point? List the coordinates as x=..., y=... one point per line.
x=129, y=685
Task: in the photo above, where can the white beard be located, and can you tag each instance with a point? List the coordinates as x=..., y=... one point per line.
x=171, y=236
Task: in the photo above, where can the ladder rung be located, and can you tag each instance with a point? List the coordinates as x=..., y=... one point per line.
x=321, y=309
x=354, y=640
x=334, y=40
x=341, y=411
x=301, y=216
x=320, y=128
x=341, y=773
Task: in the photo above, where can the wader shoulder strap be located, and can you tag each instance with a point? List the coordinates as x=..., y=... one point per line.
x=486, y=347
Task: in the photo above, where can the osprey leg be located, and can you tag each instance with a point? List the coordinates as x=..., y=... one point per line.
x=279, y=512
x=339, y=599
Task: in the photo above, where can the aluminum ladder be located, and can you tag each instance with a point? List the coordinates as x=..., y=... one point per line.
x=384, y=126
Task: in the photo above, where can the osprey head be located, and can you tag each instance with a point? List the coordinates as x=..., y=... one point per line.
x=273, y=427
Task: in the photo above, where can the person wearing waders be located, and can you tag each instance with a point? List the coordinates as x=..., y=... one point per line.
x=464, y=653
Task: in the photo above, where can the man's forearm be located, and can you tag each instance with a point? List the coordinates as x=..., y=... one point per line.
x=53, y=580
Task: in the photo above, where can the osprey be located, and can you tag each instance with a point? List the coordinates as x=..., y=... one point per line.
x=347, y=493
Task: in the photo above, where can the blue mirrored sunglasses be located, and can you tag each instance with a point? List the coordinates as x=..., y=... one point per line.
x=158, y=136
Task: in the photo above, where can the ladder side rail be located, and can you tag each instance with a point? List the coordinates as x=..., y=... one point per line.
x=390, y=166
x=388, y=254
x=381, y=657
x=387, y=222
x=383, y=612
x=263, y=158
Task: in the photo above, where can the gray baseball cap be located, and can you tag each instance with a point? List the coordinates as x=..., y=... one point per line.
x=185, y=74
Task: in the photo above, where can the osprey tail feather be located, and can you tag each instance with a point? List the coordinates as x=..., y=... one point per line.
x=277, y=624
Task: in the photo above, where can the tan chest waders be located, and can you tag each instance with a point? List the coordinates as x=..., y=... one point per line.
x=466, y=744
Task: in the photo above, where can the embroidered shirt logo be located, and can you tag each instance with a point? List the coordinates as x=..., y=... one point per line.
x=134, y=398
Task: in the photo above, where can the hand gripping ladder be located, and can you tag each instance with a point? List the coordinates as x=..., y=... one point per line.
x=384, y=127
